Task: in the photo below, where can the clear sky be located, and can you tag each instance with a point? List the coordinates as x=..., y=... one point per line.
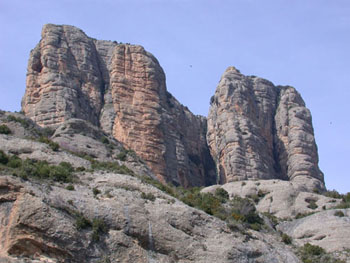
x=302, y=43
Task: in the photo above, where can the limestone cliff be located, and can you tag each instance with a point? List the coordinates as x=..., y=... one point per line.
x=259, y=131
x=120, y=88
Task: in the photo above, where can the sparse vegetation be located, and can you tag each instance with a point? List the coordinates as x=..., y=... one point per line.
x=70, y=187
x=3, y=157
x=81, y=222
x=222, y=194
x=302, y=215
x=311, y=254
x=339, y=213
x=311, y=203
x=122, y=156
x=237, y=210
x=148, y=196
x=4, y=129
x=111, y=167
x=98, y=227
x=104, y=140
x=286, y=239
x=25, y=123
x=95, y=191
x=36, y=169
x=53, y=145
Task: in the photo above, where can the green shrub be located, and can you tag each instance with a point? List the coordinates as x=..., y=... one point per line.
x=122, y=155
x=3, y=157
x=25, y=123
x=40, y=169
x=333, y=194
x=339, y=213
x=98, y=227
x=95, y=191
x=243, y=210
x=302, y=215
x=112, y=167
x=14, y=162
x=222, y=194
x=286, y=239
x=80, y=169
x=104, y=140
x=312, y=203
x=4, y=129
x=148, y=196
x=81, y=222
x=53, y=145
x=70, y=187
x=312, y=249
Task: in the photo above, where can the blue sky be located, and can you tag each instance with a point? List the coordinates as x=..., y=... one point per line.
x=305, y=44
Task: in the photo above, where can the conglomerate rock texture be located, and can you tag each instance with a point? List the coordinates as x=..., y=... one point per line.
x=259, y=131
x=255, y=130
x=39, y=224
x=121, y=89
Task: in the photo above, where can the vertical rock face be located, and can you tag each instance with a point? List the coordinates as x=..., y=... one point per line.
x=122, y=89
x=255, y=129
x=259, y=131
x=63, y=78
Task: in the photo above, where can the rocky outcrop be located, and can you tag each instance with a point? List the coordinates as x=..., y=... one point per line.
x=284, y=199
x=259, y=131
x=120, y=88
x=328, y=229
x=42, y=222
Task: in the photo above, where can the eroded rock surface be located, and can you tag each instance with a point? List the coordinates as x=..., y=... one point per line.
x=40, y=221
x=259, y=131
x=283, y=199
x=121, y=89
x=328, y=229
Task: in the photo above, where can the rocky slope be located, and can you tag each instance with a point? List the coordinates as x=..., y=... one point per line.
x=283, y=199
x=102, y=215
x=259, y=131
x=121, y=89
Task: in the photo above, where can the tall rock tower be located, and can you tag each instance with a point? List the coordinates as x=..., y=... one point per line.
x=259, y=131
x=120, y=88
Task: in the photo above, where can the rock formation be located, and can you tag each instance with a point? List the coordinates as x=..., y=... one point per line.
x=121, y=89
x=259, y=131
x=72, y=190
x=255, y=129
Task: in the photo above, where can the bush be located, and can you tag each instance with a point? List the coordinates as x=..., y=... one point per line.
x=53, y=145
x=333, y=194
x=95, y=191
x=25, y=123
x=148, y=196
x=222, y=194
x=40, y=169
x=312, y=203
x=104, y=140
x=122, y=155
x=3, y=157
x=243, y=210
x=312, y=249
x=81, y=222
x=339, y=213
x=112, y=167
x=4, y=129
x=70, y=187
x=286, y=239
x=14, y=162
x=98, y=227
